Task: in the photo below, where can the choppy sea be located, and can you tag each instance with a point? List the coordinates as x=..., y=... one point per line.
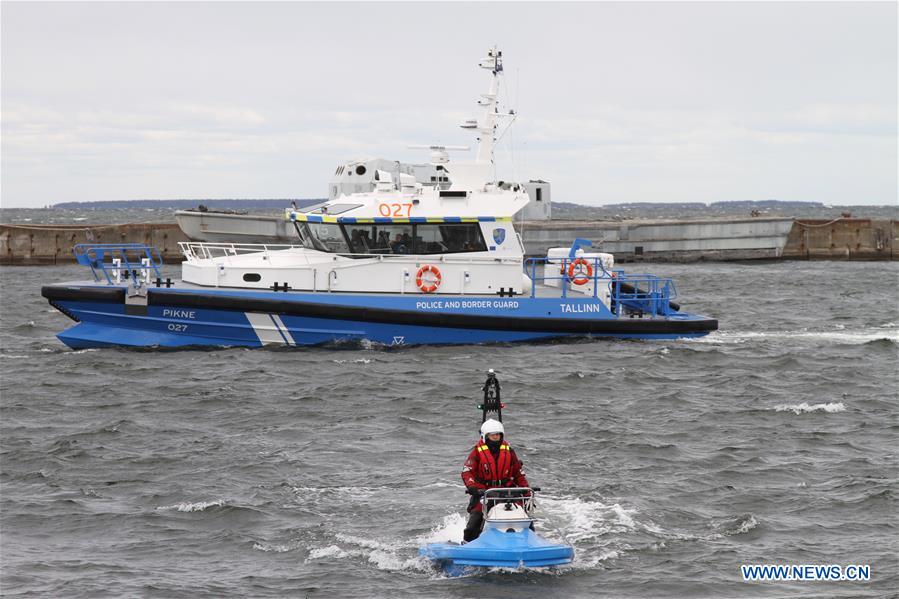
x=319, y=472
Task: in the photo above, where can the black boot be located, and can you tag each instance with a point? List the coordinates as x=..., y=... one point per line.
x=473, y=528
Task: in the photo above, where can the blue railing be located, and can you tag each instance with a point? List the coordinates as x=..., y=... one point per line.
x=133, y=259
x=644, y=293
x=635, y=293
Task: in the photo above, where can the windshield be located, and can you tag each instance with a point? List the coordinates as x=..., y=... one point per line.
x=394, y=238
x=324, y=237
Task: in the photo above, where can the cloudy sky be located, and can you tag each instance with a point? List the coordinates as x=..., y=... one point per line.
x=618, y=102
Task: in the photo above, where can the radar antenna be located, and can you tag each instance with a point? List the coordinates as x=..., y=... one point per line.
x=439, y=153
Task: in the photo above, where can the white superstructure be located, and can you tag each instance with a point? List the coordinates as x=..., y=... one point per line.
x=403, y=236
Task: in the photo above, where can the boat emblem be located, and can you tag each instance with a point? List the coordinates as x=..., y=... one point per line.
x=399, y=341
x=499, y=235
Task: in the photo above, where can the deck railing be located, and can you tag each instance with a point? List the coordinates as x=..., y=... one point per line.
x=202, y=250
x=638, y=293
x=116, y=261
x=197, y=250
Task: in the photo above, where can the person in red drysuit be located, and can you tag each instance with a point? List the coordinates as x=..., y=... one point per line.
x=492, y=463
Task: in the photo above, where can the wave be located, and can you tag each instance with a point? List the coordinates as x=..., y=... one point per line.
x=291, y=546
x=804, y=407
x=191, y=507
x=356, y=344
x=77, y=352
x=383, y=555
x=605, y=531
x=448, y=531
x=735, y=526
x=837, y=336
x=578, y=520
x=744, y=525
x=331, y=493
x=883, y=342
x=331, y=551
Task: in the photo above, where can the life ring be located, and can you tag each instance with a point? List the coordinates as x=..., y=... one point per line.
x=432, y=283
x=582, y=277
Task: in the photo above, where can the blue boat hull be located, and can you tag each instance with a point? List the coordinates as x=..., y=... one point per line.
x=230, y=317
x=498, y=549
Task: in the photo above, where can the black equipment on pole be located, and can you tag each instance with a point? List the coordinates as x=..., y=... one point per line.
x=492, y=406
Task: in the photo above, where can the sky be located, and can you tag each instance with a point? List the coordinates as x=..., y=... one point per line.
x=616, y=102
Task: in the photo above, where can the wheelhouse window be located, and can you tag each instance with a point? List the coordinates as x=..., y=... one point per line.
x=324, y=237
x=462, y=237
x=396, y=239
x=444, y=238
x=381, y=239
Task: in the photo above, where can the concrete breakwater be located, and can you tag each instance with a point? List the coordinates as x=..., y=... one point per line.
x=630, y=241
x=843, y=239
x=52, y=244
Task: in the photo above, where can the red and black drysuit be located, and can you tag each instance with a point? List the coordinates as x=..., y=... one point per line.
x=485, y=469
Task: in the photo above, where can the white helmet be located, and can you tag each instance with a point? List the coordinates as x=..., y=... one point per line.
x=492, y=426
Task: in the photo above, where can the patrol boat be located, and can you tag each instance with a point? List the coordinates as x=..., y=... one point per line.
x=508, y=538
x=401, y=264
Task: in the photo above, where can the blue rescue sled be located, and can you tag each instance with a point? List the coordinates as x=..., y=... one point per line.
x=507, y=540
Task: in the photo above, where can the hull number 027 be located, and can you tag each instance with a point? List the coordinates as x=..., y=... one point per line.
x=395, y=210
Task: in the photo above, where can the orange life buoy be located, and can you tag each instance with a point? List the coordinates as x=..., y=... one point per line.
x=430, y=284
x=584, y=274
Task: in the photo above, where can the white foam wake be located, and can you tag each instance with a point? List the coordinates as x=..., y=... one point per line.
x=806, y=407
x=332, y=493
x=291, y=546
x=592, y=527
x=391, y=555
x=78, y=352
x=837, y=336
x=745, y=526
x=578, y=520
x=384, y=556
x=191, y=507
x=448, y=531
x=331, y=551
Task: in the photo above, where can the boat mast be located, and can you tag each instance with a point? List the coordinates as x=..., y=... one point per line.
x=486, y=128
x=476, y=175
